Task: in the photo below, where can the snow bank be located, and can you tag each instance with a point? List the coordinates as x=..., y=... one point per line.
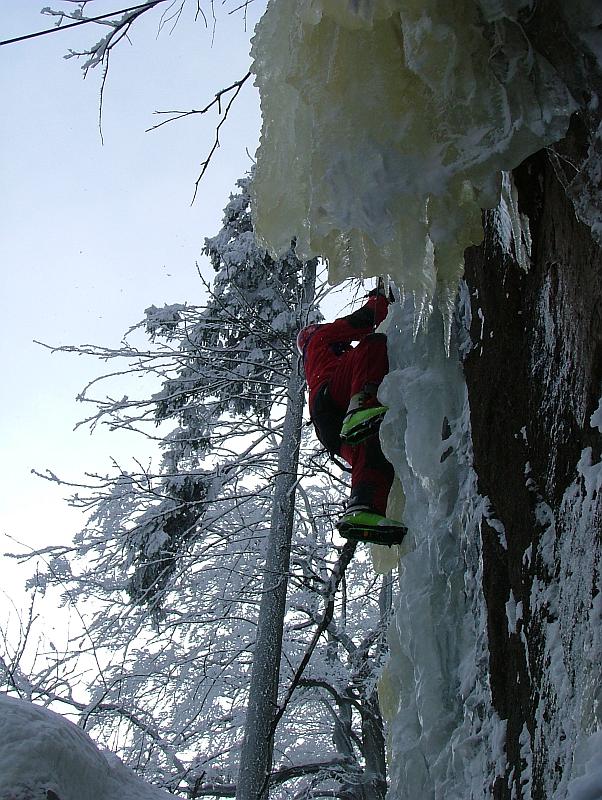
x=589, y=785
x=386, y=125
x=43, y=756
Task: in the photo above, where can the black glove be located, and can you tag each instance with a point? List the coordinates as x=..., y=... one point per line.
x=380, y=291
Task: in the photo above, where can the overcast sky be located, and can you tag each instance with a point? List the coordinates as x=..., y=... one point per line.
x=91, y=233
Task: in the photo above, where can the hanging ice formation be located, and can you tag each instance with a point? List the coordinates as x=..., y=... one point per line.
x=386, y=126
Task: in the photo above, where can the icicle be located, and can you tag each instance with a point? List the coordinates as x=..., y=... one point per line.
x=446, y=297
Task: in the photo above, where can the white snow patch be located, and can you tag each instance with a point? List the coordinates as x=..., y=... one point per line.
x=514, y=613
x=495, y=523
x=585, y=189
x=510, y=226
x=596, y=418
x=465, y=343
x=41, y=751
x=589, y=785
x=527, y=757
x=568, y=559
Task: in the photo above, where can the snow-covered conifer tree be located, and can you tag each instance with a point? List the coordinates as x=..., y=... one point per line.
x=169, y=571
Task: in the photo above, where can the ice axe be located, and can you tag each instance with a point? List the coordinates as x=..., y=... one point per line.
x=382, y=289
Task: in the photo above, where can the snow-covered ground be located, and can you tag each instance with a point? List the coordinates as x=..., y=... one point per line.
x=43, y=756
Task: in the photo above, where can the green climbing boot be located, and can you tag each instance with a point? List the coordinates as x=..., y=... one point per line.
x=360, y=423
x=365, y=525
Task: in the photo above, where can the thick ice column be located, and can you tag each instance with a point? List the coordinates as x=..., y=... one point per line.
x=434, y=689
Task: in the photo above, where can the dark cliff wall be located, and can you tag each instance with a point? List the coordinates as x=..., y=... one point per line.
x=534, y=379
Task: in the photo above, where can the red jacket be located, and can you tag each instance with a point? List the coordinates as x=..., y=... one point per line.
x=332, y=339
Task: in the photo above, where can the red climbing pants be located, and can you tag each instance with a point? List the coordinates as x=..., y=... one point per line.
x=372, y=474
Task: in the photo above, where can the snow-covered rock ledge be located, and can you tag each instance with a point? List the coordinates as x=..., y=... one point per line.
x=43, y=756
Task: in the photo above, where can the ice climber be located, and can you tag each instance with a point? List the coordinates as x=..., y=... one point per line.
x=343, y=381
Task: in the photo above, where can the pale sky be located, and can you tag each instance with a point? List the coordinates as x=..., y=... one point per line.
x=92, y=234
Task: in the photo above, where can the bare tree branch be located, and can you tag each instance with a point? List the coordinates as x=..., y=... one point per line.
x=331, y=767
x=60, y=27
x=337, y=575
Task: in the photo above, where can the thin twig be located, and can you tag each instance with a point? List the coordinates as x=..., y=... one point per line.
x=181, y=114
x=205, y=163
x=217, y=100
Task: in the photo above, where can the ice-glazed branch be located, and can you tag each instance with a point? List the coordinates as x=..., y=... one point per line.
x=101, y=18
x=341, y=699
x=99, y=52
x=330, y=593
x=331, y=767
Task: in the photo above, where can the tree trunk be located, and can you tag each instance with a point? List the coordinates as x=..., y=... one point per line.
x=256, y=752
x=373, y=736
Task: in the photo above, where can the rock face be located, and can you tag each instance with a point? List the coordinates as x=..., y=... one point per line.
x=534, y=382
